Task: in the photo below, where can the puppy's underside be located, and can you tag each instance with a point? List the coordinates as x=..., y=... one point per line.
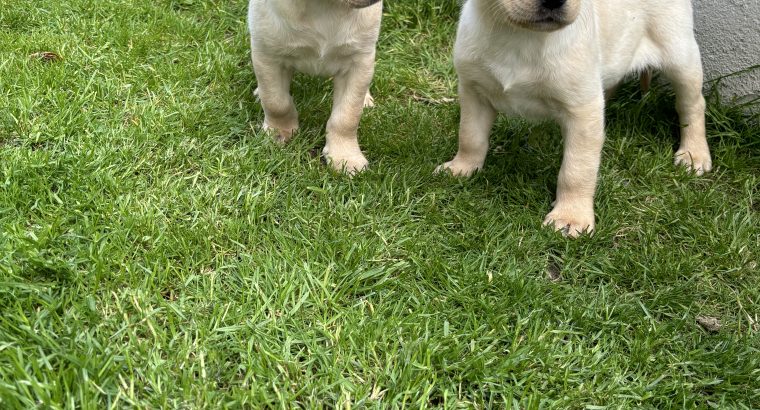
x=555, y=59
x=330, y=38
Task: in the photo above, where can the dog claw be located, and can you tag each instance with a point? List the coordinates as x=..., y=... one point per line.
x=369, y=101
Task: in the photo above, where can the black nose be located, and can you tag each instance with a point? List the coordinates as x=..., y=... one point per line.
x=552, y=4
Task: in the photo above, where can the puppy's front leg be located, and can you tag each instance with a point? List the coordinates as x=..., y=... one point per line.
x=583, y=133
x=280, y=112
x=476, y=119
x=350, y=91
x=686, y=76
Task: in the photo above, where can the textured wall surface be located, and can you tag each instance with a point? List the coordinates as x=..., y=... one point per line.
x=728, y=32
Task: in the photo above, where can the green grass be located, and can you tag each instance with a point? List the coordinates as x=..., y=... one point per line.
x=156, y=250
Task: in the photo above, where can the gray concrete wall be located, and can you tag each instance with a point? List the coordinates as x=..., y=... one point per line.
x=728, y=32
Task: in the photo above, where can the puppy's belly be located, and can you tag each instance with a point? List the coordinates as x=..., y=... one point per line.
x=313, y=61
x=515, y=104
x=318, y=67
x=634, y=58
x=518, y=101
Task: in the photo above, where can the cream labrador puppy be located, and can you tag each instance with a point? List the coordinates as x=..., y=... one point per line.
x=555, y=59
x=332, y=38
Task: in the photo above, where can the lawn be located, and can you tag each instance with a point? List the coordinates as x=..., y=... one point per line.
x=158, y=251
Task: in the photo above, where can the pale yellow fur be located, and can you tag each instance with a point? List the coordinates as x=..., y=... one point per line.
x=329, y=38
x=559, y=69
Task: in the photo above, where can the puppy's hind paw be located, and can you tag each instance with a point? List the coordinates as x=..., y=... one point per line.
x=694, y=160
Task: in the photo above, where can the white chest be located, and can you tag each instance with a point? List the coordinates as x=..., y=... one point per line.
x=313, y=41
x=320, y=52
x=514, y=89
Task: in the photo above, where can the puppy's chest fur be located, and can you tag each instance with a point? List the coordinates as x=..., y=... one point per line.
x=511, y=71
x=316, y=41
x=517, y=88
x=538, y=75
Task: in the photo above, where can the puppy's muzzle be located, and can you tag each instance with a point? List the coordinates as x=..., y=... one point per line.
x=547, y=15
x=360, y=4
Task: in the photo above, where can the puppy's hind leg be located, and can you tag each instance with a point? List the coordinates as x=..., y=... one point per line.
x=273, y=90
x=685, y=73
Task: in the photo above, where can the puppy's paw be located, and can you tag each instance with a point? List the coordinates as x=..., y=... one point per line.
x=279, y=136
x=369, y=101
x=458, y=168
x=570, y=221
x=349, y=161
x=697, y=161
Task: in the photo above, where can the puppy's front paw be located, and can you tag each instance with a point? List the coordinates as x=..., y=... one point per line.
x=458, y=168
x=349, y=161
x=369, y=101
x=571, y=221
x=697, y=161
x=279, y=136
